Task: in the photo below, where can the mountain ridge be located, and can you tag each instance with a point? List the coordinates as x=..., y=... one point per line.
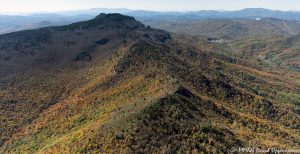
x=230, y=29
x=67, y=17
x=127, y=88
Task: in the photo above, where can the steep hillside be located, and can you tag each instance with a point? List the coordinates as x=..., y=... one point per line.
x=281, y=51
x=231, y=29
x=113, y=85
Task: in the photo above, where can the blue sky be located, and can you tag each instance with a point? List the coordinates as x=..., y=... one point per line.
x=158, y=5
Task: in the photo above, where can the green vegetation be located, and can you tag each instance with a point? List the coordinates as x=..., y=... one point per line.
x=143, y=91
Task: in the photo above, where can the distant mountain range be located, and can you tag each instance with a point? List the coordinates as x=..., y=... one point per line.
x=10, y=23
x=249, y=13
x=43, y=19
x=229, y=29
x=202, y=14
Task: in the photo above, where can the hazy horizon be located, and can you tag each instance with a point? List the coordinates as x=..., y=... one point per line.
x=35, y=6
